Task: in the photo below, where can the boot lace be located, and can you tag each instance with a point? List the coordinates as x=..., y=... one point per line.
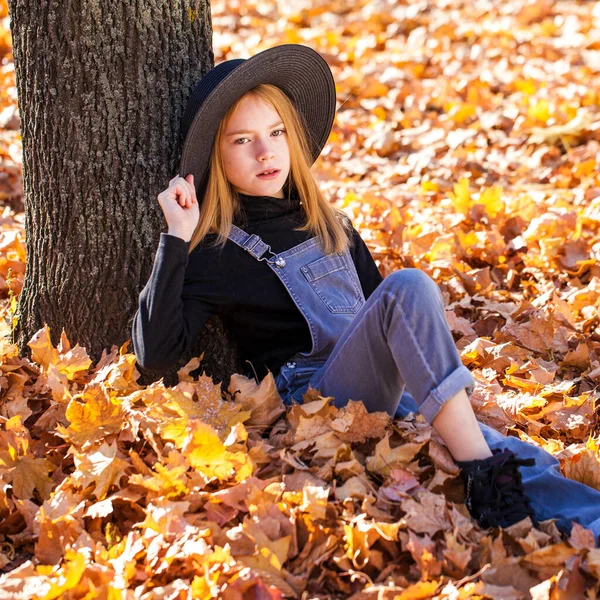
x=494, y=490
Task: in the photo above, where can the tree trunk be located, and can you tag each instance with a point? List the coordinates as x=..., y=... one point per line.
x=102, y=86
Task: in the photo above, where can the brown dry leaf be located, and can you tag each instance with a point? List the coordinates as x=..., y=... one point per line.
x=314, y=501
x=540, y=334
x=459, y=324
x=441, y=458
x=262, y=401
x=458, y=555
x=325, y=445
x=355, y=486
x=549, y=560
x=61, y=523
x=345, y=469
x=498, y=592
x=423, y=551
x=580, y=357
x=354, y=424
x=582, y=466
x=386, y=458
x=399, y=484
x=310, y=428
x=359, y=537
x=271, y=553
x=314, y=405
x=592, y=562
x=426, y=513
x=509, y=572
x=581, y=538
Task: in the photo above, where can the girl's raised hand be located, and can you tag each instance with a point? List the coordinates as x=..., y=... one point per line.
x=180, y=206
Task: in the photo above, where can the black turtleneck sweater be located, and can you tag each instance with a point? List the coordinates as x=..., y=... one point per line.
x=184, y=291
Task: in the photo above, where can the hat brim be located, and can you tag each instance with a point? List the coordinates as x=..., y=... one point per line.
x=298, y=70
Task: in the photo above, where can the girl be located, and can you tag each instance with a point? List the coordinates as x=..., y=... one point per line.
x=251, y=238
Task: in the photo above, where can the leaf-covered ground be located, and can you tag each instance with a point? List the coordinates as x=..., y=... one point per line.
x=466, y=144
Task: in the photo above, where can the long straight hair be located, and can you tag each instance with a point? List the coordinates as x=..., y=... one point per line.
x=221, y=203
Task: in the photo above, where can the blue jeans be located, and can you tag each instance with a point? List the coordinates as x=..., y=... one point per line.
x=399, y=347
x=398, y=340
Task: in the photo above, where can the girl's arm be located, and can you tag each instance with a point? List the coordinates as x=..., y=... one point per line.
x=169, y=316
x=168, y=319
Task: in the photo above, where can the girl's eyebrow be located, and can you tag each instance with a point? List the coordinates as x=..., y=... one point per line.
x=249, y=131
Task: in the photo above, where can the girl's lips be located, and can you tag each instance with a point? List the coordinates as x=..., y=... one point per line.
x=270, y=175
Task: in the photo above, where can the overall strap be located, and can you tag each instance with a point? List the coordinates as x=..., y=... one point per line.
x=254, y=245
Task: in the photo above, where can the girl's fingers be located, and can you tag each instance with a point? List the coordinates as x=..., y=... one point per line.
x=182, y=190
x=189, y=178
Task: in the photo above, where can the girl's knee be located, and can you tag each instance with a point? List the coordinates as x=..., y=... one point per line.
x=411, y=283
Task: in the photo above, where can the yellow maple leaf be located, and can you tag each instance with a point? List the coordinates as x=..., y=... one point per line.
x=203, y=446
x=101, y=468
x=42, y=350
x=207, y=453
x=72, y=361
x=26, y=474
x=58, y=384
x=166, y=480
x=491, y=198
x=526, y=86
x=66, y=577
x=540, y=110
x=18, y=466
x=92, y=415
x=460, y=113
x=69, y=361
x=461, y=198
x=429, y=186
x=175, y=430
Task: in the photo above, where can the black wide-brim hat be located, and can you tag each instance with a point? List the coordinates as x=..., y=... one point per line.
x=298, y=70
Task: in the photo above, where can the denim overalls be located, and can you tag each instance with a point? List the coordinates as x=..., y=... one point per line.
x=397, y=340
x=327, y=292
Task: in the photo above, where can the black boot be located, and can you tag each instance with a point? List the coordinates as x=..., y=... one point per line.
x=494, y=490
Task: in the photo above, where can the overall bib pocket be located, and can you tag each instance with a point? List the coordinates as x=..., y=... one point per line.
x=332, y=281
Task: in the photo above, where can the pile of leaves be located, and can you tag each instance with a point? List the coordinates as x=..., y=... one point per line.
x=181, y=492
x=466, y=144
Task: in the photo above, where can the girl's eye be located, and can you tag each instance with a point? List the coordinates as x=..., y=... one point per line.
x=278, y=132
x=240, y=140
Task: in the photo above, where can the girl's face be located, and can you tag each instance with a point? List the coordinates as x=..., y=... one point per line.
x=255, y=149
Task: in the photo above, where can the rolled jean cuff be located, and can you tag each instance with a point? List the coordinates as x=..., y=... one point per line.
x=459, y=379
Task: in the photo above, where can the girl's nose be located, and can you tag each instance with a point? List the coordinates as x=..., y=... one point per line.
x=265, y=152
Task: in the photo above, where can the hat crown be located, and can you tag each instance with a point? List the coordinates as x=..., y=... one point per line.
x=204, y=88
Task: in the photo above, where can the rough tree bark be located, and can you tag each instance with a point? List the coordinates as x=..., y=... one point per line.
x=102, y=86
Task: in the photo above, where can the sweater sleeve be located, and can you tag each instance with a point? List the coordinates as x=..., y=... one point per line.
x=367, y=270
x=167, y=320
